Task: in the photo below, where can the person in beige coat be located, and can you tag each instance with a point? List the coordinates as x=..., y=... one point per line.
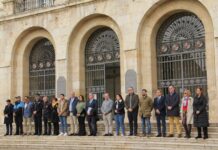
x=145, y=108
x=187, y=112
x=62, y=113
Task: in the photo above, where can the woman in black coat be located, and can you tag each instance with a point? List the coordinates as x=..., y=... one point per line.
x=8, y=120
x=54, y=116
x=201, y=119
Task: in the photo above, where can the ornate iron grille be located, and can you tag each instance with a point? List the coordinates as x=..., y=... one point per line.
x=26, y=5
x=181, y=53
x=42, y=69
x=102, y=48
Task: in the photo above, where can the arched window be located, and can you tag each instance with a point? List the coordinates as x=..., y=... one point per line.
x=181, y=53
x=42, y=69
x=102, y=62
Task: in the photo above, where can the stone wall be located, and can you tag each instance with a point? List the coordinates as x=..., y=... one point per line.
x=69, y=25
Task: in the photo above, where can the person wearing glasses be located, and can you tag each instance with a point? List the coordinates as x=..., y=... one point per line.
x=187, y=113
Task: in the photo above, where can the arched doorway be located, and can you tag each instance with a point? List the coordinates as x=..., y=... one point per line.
x=102, y=63
x=42, y=69
x=180, y=47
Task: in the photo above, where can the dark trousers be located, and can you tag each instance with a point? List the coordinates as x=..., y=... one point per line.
x=9, y=129
x=82, y=128
x=19, y=125
x=55, y=128
x=161, y=121
x=205, y=131
x=47, y=126
x=92, y=122
x=38, y=125
x=133, y=118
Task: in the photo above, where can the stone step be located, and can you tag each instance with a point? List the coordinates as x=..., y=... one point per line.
x=106, y=143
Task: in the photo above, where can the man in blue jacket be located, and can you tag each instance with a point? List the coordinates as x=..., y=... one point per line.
x=73, y=114
x=160, y=113
x=18, y=113
x=27, y=115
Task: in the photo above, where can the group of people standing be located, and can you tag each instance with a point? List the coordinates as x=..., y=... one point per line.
x=190, y=110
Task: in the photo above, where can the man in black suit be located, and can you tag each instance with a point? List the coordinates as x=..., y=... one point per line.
x=37, y=112
x=132, y=106
x=160, y=113
x=92, y=114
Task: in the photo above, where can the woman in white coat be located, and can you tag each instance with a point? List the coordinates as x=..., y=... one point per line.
x=187, y=112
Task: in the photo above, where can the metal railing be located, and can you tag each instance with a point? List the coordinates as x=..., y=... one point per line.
x=27, y=5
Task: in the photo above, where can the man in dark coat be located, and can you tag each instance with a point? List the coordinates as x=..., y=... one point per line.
x=37, y=113
x=92, y=114
x=18, y=114
x=47, y=110
x=8, y=120
x=173, y=111
x=160, y=113
x=132, y=106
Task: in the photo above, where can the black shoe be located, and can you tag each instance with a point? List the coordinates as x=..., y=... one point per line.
x=206, y=137
x=179, y=135
x=106, y=134
x=130, y=134
x=159, y=135
x=90, y=135
x=198, y=137
x=72, y=134
x=6, y=134
x=170, y=135
x=45, y=134
x=110, y=134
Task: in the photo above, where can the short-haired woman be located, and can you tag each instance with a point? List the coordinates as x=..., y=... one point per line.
x=187, y=112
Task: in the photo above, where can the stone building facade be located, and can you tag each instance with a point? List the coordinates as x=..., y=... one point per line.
x=51, y=47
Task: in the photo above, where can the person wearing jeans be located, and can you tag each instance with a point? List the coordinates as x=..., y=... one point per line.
x=160, y=113
x=119, y=113
x=62, y=113
x=145, y=108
